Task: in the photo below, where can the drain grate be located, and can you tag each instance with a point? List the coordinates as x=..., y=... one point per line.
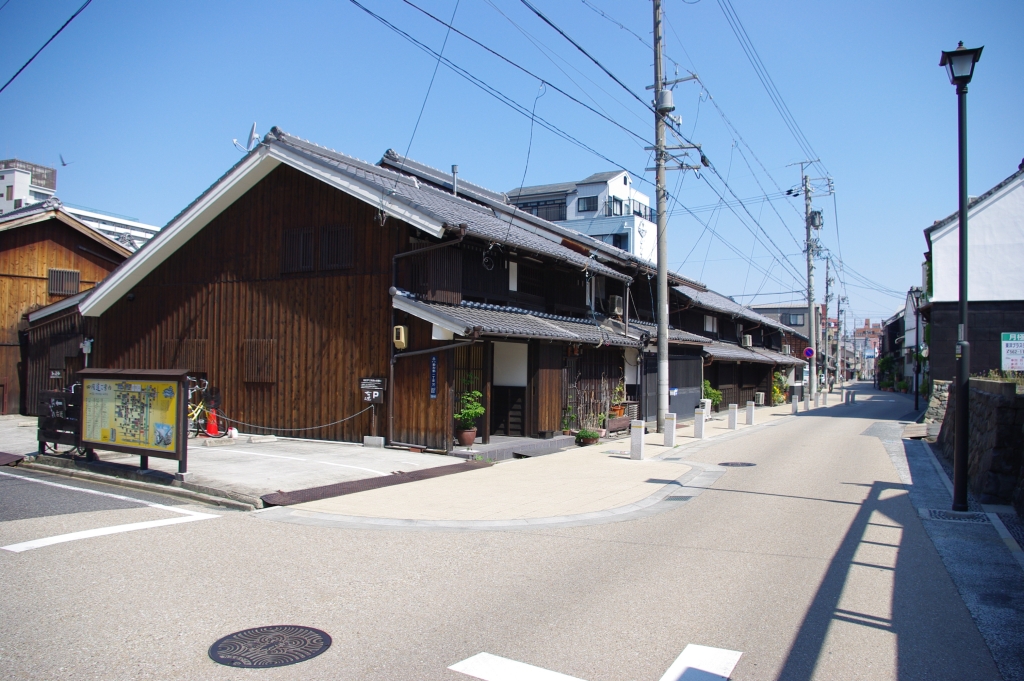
x=954, y=516
x=737, y=464
x=274, y=646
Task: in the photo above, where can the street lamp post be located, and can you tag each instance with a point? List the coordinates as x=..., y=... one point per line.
x=915, y=298
x=959, y=65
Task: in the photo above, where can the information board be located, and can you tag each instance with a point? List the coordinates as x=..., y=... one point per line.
x=1013, y=352
x=132, y=413
x=136, y=411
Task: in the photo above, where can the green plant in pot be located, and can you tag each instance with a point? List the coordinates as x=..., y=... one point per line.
x=466, y=417
x=587, y=437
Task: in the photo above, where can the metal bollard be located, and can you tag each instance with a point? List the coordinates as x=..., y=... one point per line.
x=698, y=424
x=750, y=413
x=733, y=416
x=670, y=430
x=636, y=440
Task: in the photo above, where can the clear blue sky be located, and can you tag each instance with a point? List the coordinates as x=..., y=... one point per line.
x=144, y=98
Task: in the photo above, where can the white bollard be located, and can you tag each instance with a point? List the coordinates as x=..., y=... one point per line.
x=807, y=401
x=796, y=403
x=817, y=400
x=843, y=394
x=706, y=406
x=824, y=399
x=853, y=397
x=698, y=424
x=733, y=416
x=750, y=413
x=670, y=431
x=636, y=440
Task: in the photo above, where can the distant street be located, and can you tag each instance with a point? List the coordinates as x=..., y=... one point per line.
x=813, y=564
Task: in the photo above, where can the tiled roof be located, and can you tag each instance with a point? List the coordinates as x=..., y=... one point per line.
x=731, y=352
x=719, y=303
x=511, y=322
x=674, y=335
x=481, y=222
x=938, y=224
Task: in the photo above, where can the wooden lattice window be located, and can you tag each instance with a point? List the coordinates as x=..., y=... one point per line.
x=188, y=354
x=63, y=282
x=260, y=356
x=297, y=250
x=336, y=248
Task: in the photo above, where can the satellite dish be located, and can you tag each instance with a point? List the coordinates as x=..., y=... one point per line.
x=253, y=142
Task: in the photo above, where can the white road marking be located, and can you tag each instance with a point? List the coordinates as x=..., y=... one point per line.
x=295, y=458
x=100, y=531
x=493, y=668
x=702, y=663
x=696, y=663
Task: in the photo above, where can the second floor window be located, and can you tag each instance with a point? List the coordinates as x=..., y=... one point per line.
x=710, y=323
x=792, y=319
x=586, y=204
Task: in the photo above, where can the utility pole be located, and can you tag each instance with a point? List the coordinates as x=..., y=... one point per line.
x=812, y=325
x=827, y=343
x=659, y=181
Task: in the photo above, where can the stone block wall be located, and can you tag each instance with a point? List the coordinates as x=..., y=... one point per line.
x=937, y=402
x=996, y=447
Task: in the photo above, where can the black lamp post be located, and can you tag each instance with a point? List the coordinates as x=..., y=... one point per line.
x=915, y=298
x=959, y=65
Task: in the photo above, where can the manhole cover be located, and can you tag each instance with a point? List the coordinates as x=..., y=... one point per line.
x=737, y=464
x=274, y=646
x=956, y=516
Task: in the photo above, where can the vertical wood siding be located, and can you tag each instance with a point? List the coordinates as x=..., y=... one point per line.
x=323, y=330
x=27, y=253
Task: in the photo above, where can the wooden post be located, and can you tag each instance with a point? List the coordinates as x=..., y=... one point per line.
x=488, y=379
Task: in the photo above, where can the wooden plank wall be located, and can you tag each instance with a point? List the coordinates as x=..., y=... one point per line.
x=55, y=344
x=546, y=362
x=225, y=286
x=26, y=255
x=420, y=420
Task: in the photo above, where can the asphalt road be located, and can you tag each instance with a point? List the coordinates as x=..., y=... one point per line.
x=813, y=564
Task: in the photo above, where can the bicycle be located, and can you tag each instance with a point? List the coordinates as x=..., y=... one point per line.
x=200, y=408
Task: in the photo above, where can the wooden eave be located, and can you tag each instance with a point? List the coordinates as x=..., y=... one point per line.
x=61, y=216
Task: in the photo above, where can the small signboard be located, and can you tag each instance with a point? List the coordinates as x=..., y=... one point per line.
x=1013, y=352
x=808, y=352
x=433, y=377
x=56, y=374
x=136, y=412
x=373, y=383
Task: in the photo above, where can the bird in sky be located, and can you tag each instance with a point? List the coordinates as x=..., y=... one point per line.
x=63, y=162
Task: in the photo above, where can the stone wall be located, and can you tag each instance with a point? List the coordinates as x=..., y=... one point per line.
x=937, y=402
x=996, y=447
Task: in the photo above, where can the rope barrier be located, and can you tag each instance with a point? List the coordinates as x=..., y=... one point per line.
x=220, y=415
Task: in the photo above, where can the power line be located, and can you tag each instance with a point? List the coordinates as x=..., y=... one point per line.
x=430, y=85
x=754, y=58
x=526, y=71
x=32, y=58
x=587, y=54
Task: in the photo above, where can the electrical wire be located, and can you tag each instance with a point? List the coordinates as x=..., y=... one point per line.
x=754, y=58
x=430, y=85
x=32, y=58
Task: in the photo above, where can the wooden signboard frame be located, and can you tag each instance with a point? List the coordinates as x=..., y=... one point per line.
x=176, y=376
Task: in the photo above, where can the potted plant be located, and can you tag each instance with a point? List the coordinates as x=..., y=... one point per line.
x=618, y=408
x=465, y=418
x=568, y=414
x=601, y=432
x=587, y=437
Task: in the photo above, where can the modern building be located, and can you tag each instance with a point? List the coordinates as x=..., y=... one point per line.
x=995, y=279
x=23, y=184
x=605, y=206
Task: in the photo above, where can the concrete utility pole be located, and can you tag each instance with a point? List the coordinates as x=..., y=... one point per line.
x=659, y=180
x=812, y=326
x=827, y=343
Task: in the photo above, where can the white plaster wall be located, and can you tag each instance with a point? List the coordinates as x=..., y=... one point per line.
x=510, y=364
x=996, y=250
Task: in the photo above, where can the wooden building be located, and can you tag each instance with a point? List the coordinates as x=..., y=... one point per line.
x=46, y=256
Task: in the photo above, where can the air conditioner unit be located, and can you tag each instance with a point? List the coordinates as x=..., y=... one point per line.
x=615, y=305
x=759, y=399
x=401, y=337
x=747, y=340
x=786, y=350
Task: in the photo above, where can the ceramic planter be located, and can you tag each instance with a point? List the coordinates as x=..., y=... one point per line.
x=466, y=437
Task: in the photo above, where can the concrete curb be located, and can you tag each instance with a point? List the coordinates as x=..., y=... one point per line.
x=688, y=486
x=172, y=489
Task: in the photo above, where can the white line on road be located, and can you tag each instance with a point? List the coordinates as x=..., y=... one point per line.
x=702, y=663
x=295, y=458
x=99, y=532
x=493, y=668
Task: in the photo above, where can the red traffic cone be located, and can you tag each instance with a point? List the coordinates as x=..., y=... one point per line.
x=211, y=423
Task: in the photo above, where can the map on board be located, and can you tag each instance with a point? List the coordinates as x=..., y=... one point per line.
x=129, y=413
